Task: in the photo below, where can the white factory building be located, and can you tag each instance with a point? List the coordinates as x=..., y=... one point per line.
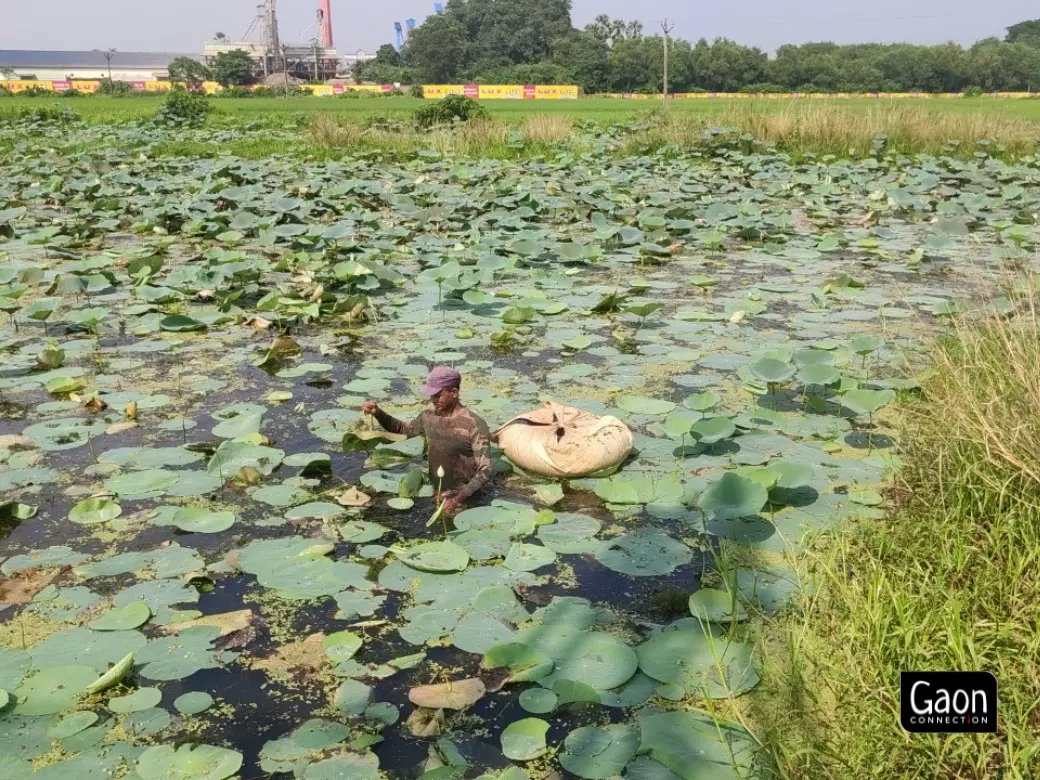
x=86, y=65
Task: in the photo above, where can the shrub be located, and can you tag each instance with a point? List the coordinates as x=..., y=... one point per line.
x=448, y=110
x=235, y=92
x=71, y=93
x=415, y=91
x=184, y=109
x=5, y=92
x=973, y=92
x=351, y=94
x=117, y=88
x=35, y=92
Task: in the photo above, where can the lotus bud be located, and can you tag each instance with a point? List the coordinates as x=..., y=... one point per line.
x=440, y=472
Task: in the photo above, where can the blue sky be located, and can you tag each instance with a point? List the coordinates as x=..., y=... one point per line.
x=183, y=26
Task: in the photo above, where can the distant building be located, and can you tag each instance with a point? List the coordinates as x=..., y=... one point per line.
x=59, y=65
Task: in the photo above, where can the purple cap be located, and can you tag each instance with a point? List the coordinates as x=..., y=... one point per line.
x=441, y=378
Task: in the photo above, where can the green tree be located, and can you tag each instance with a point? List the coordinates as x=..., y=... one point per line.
x=437, y=49
x=386, y=68
x=185, y=70
x=1024, y=32
x=725, y=66
x=612, y=30
x=233, y=68
x=586, y=60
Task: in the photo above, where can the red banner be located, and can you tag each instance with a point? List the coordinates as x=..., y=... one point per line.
x=61, y=86
x=471, y=91
x=529, y=91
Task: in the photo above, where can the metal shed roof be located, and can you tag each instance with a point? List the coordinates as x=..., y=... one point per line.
x=26, y=58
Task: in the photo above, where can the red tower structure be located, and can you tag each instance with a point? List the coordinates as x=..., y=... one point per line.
x=325, y=12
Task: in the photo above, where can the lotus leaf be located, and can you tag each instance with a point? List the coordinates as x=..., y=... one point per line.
x=95, y=511
x=53, y=690
x=188, y=762
x=193, y=703
x=645, y=554
x=529, y=557
x=525, y=663
x=453, y=695
x=137, y=484
x=733, y=496
x=716, y=606
x=699, y=663
x=711, y=430
x=600, y=661
x=599, y=753
x=524, y=740
x=642, y=405
x=179, y=656
x=772, y=371
x=201, y=520
x=83, y=647
x=696, y=747
x=341, y=646
x=231, y=456
x=141, y=699
x=72, y=724
x=352, y=697
x=435, y=557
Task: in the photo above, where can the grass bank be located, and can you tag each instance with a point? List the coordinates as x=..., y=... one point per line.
x=951, y=581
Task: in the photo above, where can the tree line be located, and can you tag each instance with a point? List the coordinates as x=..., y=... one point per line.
x=534, y=42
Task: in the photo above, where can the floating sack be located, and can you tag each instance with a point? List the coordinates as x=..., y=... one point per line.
x=560, y=441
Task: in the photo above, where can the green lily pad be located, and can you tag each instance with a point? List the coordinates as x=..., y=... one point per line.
x=716, y=606
x=178, y=323
x=188, y=762
x=133, y=615
x=193, y=703
x=94, y=510
x=435, y=557
x=538, y=701
x=53, y=690
x=599, y=752
x=524, y=740
x=141, y=699
x=201, y=520
x=733, y=496
x=528, y=557
x=637, y=404
x=72, y=724
x=646, y=554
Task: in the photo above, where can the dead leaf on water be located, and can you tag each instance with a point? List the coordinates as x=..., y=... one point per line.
x=453, y=695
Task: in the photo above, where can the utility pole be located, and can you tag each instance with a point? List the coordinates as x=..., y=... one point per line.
x=317, y=80
x=285, y=66
x=108, y=54
x=667, y=28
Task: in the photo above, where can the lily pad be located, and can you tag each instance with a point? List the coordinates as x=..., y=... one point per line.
x=733, y=496
x=646, y=554
x=141, y=699
x=53, y=690
x=193, y=703
x=201, y=520
x=94, y=510
x=599, y=752
x=133, y=615
x=435, y=557
x=524, y=740
x=717, y=606
x=188, y=762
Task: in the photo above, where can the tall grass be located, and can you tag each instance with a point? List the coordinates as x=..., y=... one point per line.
x=950, y=582
x=798, y=126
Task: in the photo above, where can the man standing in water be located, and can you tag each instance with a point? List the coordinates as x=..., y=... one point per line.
x=457, y=440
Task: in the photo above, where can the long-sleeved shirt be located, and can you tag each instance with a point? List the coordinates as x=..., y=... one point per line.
x=459, y=443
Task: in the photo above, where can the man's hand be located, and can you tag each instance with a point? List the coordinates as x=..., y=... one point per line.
x=369, y=407
x=452, y=500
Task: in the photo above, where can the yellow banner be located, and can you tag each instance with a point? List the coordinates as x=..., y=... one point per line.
x=21, y=86
x=555, y=92
x=157, y=86
x=501, y=92
x=442, y=90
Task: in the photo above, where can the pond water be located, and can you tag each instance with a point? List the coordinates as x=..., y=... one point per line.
x=189, y=342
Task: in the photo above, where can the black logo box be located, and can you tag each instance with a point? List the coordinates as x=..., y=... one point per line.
x=948, y=702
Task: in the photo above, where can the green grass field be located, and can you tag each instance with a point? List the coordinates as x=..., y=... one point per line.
x=108, y=109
